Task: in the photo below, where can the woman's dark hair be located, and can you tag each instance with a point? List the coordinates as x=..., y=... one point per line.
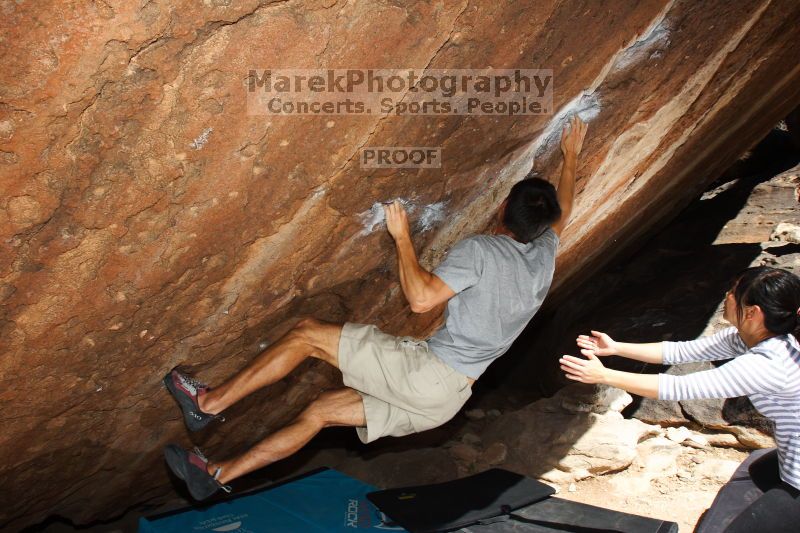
x=776, y=292
x=531, y=206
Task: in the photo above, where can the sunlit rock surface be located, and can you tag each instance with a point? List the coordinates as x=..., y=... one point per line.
x=147, y=220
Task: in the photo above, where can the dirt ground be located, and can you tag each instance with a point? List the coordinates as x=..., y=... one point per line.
x=678, y=498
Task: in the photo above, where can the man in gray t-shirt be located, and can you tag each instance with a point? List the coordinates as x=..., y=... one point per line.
x=493, y=284
x=499, y=284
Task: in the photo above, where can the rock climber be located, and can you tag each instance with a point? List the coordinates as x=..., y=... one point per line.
x=493, y=285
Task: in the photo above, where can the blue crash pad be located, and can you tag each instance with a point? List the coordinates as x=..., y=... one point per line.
x=323, y=500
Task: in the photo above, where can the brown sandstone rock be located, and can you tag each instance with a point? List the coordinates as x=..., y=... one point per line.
x=560, y=445
x=464, y=452
x=494, y=454
x=147, y=220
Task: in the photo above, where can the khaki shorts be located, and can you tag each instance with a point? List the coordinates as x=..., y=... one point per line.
x=405, y=387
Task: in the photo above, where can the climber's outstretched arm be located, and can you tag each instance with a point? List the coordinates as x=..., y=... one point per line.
x=423, y=290
x=571, y=144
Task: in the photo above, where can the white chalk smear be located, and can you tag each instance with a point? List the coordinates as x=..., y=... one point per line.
x=372, y=217
x=375, y=216
x=431, y=215
x=585, y=105
x=201, y=140
x=649, y=45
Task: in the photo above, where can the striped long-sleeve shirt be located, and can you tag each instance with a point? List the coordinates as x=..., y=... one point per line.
x=768, y=374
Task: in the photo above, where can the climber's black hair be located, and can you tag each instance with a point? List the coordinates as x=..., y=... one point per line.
x=532, y=205
x=776, y=292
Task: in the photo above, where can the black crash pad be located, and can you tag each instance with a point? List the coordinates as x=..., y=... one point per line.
x=502, y=501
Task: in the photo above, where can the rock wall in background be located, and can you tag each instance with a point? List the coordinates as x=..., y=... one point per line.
x=147, y=220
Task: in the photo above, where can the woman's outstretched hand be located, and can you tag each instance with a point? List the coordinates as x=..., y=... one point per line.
x=589, y=370
x=599, y=344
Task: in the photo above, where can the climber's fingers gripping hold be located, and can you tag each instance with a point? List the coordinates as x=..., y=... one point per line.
x=396, y=219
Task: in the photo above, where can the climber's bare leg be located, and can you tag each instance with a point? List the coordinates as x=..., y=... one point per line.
x=340, y=407
x=308, y=338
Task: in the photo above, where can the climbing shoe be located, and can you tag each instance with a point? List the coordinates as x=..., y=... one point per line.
x=192, y=468
x=185, y=390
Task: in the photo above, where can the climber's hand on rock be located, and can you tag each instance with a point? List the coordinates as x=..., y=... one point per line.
x=572, y=136
x=396, y=219
x=589, y=370
x=599, y=344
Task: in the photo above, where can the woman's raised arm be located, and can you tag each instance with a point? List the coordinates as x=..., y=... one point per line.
x=725, y=344
x=753, y=372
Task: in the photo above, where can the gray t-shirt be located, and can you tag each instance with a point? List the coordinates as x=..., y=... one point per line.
x=499, y=283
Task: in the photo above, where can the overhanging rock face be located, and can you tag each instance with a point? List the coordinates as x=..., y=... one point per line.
x=147, y=220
